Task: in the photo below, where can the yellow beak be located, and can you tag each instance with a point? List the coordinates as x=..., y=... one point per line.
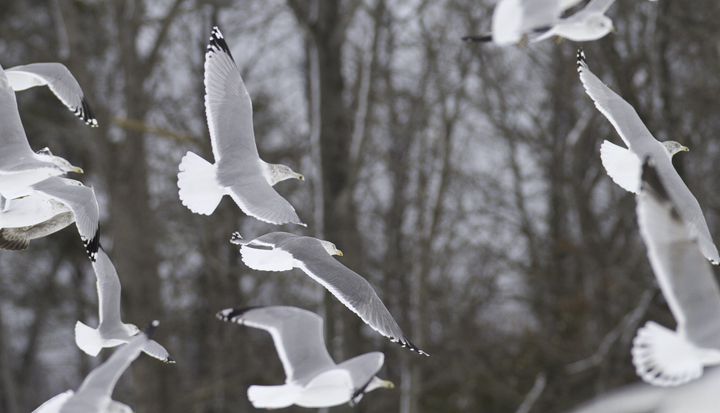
x=339, y=253
x=77, y=170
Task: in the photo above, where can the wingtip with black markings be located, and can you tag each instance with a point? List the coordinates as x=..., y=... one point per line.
x=581, y=62
x=85, y=113
x=92, y=246
x=231, y=314
x=405, y=343
x=236, y=238
x=217, y=43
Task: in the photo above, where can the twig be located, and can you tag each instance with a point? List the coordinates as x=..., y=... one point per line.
x=134, y=124
x=534, y=394
x=628, y=322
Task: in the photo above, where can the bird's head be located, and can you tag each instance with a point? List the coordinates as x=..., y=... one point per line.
x=132, y=329
x=279, y=173
x=286, y=171
x=376, y=383
x=331, y=248
x=599, y=25
x=674, y=147
x=59, y=162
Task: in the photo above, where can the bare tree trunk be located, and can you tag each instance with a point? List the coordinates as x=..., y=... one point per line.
x=325, y=29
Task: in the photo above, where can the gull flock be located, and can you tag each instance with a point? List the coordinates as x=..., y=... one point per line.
x=36, y=201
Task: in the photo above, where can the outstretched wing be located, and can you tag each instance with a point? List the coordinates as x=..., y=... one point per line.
x=639, y=140
x=108, y=286
x=13, y=140
x=345, y=284
x=83, y=204
x=685, y=277
x=297, y=334
x=60, y=81
x=101, y=381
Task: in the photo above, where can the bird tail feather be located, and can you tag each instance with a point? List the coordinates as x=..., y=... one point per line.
x=199, y=189
x=274, y=397
x=664, y=358
x=88, y=339
x=264, y=258
x=621, y=165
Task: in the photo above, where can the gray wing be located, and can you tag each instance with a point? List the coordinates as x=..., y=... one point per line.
x=539, y=13
x=101, y=381
x=108, y=286
x=598, y=6
x=345, y=284
x=622, y=116
x=18, y=238
x=297, y=334
x=685, y=277
x=14, y=143
x=81, y=201
x=60, y=81
x=228, y=108
x=363, y=367
x=153, y=349
x=229, y=115
x=639, y=140
x=566, y=4
x=513, y=18
x=258, y=199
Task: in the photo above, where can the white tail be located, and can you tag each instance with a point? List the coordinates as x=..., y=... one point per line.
x=199, y=189
x=621, y=165
x=264, y=258
x=88, y=339
x=664, y=358
x=274, y=397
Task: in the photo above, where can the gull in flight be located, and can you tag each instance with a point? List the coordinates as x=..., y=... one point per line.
x=623, y=165
x=663, y=357
x=514, y=20
x=238, y=170
x=52, y=205
x=312, y=377
x=281, y=251
x=112, y=331
x=20, y=167
x=95, y=392
x=60, y=81
x=700, y=396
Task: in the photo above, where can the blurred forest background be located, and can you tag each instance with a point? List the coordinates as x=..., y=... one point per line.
x=462, y=180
